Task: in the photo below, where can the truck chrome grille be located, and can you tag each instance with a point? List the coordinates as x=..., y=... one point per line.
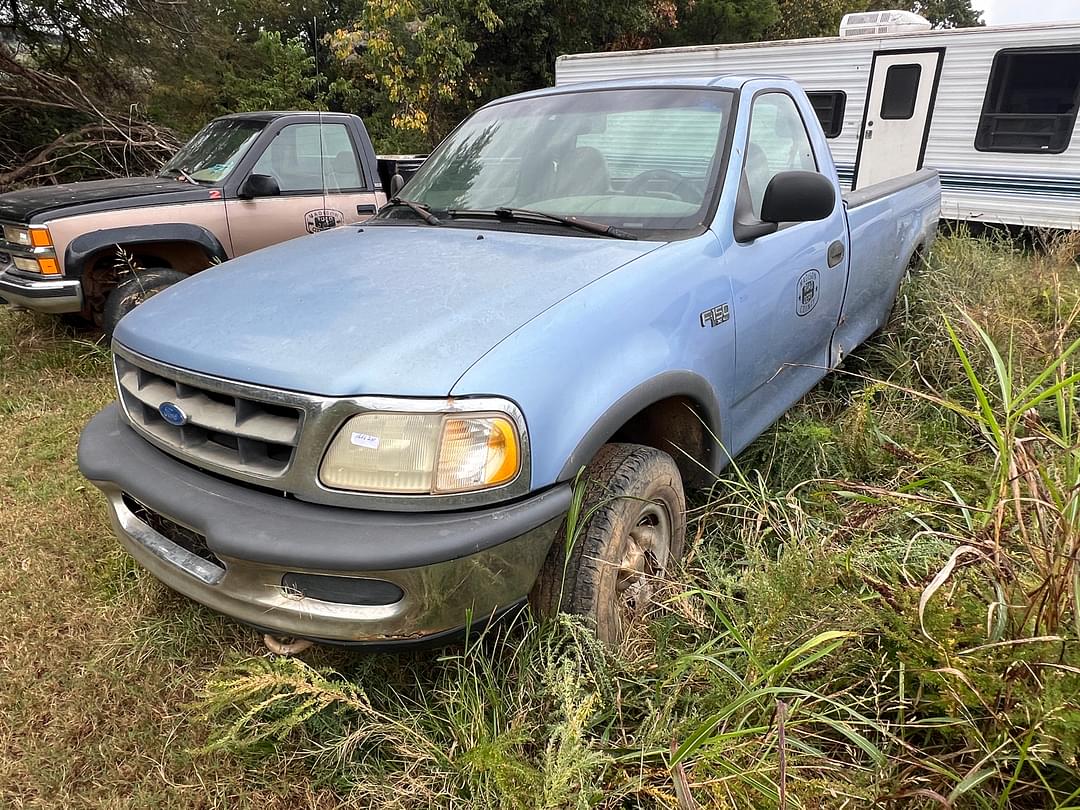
x=220, y=429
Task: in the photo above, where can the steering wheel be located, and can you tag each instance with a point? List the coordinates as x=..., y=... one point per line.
x=681, y=186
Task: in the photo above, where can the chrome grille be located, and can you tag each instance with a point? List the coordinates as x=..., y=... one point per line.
x=5, y=257
x=223, y=430
x=276, y=438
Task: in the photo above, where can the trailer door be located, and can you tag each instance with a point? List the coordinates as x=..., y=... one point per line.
x=896, y=121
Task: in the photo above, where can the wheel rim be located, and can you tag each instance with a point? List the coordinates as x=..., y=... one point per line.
x=648, y=548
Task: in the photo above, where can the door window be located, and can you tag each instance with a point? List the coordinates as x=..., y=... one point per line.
x=778, y=142
x=1031, y=101
x=308, y=158
x=901, y=90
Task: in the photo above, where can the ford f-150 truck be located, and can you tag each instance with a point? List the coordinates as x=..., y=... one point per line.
x=372, y=435
x=97, y=249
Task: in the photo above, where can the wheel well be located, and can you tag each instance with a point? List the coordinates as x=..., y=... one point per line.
x=104, y=266
x=676, y=425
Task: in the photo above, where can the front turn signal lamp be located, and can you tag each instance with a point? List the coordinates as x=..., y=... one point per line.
x=417, y=454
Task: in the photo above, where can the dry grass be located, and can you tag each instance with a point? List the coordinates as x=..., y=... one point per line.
x=98, y=662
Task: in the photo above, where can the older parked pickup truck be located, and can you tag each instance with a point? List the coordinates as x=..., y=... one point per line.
x=372, y=435
x=97, y=249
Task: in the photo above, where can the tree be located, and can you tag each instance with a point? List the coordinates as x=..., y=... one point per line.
x=417, y=52
x=699, y=22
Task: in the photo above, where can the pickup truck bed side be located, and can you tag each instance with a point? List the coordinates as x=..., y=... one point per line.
x=890, y=223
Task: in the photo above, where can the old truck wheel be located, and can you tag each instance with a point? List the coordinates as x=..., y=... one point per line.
x=130, y=293
x=632, y=529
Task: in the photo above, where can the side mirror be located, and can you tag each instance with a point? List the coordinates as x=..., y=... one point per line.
x=258, y=185
x=397, y=182
x=798, y=197
x=794, y=196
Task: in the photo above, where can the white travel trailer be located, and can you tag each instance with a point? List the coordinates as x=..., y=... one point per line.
x=992, y=109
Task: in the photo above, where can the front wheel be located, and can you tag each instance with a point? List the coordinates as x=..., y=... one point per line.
x=130, y=293
x=632, y=529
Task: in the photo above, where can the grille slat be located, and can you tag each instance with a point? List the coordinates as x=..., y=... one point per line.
x=225, y=430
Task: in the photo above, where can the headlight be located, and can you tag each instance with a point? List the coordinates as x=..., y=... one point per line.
x=27, y=237
x=17, y=236
x=433, y=454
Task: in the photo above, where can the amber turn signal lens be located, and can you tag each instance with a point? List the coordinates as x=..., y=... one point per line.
x=40, y=237
x=49, y=267
x=477, y=452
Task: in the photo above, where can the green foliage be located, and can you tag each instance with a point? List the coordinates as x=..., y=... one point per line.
x=417, y=53
x=277, y=75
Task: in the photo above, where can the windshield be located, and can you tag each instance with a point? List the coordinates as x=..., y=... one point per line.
x=636, y=159
x=212, y=154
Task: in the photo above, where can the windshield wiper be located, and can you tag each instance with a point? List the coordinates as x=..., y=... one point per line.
x=182, y=173
x=517, y=214
x=420, y=209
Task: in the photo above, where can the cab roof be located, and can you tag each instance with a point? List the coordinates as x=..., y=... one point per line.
x=725, y=82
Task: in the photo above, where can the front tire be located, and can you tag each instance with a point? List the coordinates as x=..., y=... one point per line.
x=632, y=529
x=128, y=294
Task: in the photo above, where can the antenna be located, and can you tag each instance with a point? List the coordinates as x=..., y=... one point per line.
x=318, y=102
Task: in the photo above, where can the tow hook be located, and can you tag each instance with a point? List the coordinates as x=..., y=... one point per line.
x=286, y=645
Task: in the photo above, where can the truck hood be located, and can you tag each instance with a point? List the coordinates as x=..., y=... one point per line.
x=22, y=206
x=395, y=310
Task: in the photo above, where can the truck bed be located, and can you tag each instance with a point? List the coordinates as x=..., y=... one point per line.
x=889, y=222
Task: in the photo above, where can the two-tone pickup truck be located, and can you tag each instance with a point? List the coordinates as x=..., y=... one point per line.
x=97, y=249
x=372, y=435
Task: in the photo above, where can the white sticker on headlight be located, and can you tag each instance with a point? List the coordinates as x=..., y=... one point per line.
x=365, y=440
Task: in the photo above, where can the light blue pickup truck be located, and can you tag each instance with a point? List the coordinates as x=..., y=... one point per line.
x=370, y=435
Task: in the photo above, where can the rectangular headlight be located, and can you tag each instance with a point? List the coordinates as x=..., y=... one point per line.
x=15, y=235
x=27, y=265
x=422, y=453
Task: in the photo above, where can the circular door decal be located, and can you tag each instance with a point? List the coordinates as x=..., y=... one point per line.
x=322, y=219
x=807, y=292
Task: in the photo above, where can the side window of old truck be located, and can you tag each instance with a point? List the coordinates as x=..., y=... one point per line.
x=310, y=157
x=778, y=142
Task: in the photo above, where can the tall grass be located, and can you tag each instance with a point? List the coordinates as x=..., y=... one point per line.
x=879, y=607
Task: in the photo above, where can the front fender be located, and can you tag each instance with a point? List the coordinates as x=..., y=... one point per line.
x=86, y=245
x=580, y=370
x=663, y=386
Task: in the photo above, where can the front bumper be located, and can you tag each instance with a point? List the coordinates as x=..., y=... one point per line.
x=447, y=569
x=54, y=296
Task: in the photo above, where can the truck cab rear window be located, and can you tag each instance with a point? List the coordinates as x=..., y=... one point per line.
x=1031, y=101
x=829, y=106
x=901, y=90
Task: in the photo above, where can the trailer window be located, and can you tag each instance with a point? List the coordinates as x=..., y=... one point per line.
x=901, y=90
x=829, y=106
x=1031, y=101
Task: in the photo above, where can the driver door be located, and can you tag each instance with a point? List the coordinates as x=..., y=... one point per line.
x=322, y=186
x=787, y=296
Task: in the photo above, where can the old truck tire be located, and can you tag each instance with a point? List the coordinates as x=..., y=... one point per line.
x=632, y=528
x=131, y=292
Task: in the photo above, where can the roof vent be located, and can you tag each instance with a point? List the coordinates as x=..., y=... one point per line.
x=876, y=23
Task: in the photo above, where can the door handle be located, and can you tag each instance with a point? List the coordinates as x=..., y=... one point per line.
x=836, y=253
x=366, y=209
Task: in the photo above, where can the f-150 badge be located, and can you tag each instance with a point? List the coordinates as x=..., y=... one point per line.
x=715, y=316
x=322, y=219
x=807, y=292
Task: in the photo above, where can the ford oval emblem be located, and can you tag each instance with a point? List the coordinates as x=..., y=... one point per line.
x=173, y=414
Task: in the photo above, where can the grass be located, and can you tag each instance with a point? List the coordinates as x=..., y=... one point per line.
x=878, y=608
